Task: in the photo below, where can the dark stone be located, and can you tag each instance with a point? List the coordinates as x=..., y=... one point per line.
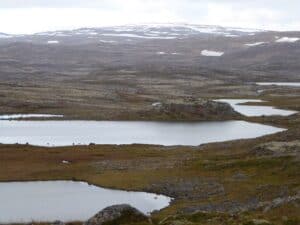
x=58, y=223
x=117, y=214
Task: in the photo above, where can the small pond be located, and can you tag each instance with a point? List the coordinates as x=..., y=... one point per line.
x=24, y=202
x=252, y=110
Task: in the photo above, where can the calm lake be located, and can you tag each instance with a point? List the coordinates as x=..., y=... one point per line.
x=24, y=202
x=67, y=133
x=251, y=110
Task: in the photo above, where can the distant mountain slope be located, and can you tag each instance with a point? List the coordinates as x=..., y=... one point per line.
x=147, y=31
x=156, y=31
x=162, y=49
x=3, y=35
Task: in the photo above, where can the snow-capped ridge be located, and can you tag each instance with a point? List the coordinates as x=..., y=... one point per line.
x=155, y=31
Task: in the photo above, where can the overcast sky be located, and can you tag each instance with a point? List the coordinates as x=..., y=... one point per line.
x=30, y=16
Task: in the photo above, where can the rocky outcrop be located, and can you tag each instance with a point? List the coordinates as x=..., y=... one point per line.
x=235, y=207
x=197, y=110
x=117, y=214
x=191, y=189
x=232, y=207
x=277, y=149
x=258, y=222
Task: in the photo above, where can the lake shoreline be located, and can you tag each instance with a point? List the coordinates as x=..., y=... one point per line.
x=225, y=171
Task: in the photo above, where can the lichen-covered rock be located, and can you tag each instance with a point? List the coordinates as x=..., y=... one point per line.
x=195, y=110
x=239, y=176
x=276, y=149
x=117, y=214
x=235, y=207
x=185, y=188
x=204, y=108
x=258, y=222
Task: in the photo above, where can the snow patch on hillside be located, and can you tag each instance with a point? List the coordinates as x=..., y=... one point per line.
x=255, y=44
x=108, y=41
x=137, y=36
x=211, y=53
x=53, y=42
x=288, y=39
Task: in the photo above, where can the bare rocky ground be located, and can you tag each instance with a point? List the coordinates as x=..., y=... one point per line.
x=278, y=149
